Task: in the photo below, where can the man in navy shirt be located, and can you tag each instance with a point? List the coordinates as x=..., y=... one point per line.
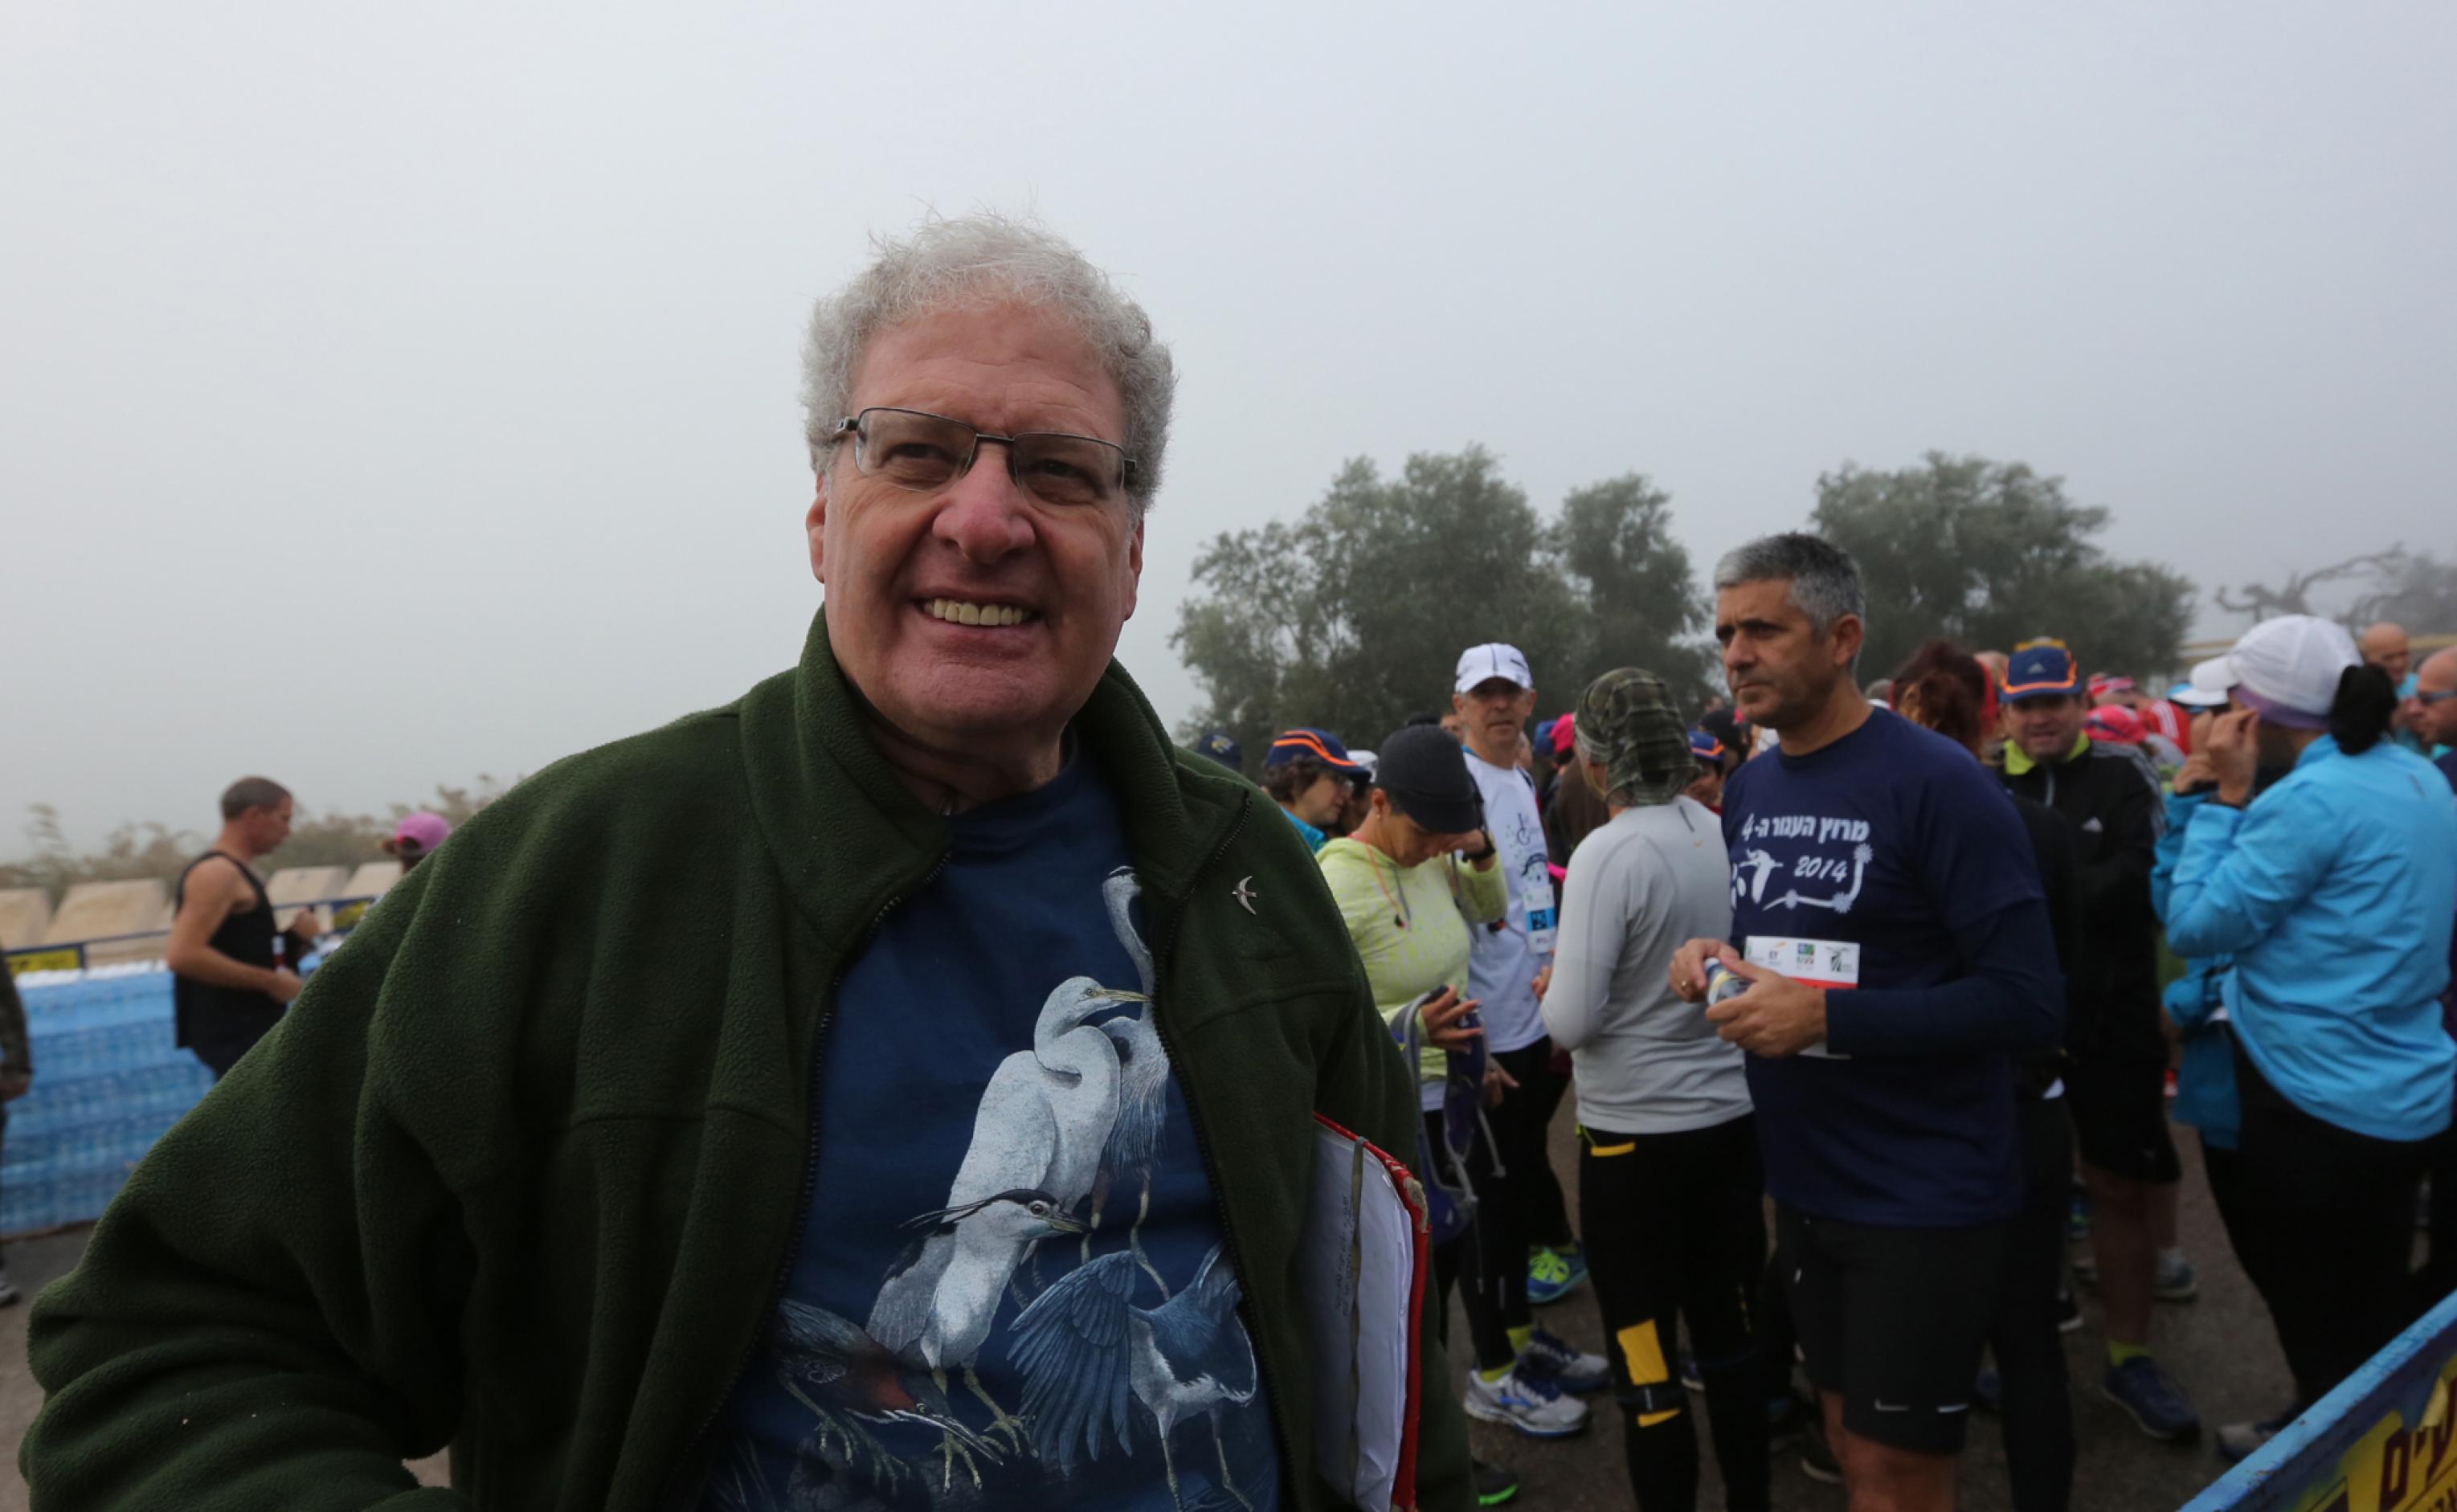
x=1888, y=919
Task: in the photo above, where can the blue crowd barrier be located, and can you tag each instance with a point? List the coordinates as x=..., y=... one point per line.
x=108, y=1082
x=2381, y=1442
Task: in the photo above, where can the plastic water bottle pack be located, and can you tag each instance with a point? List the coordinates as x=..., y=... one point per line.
x=108, y=1082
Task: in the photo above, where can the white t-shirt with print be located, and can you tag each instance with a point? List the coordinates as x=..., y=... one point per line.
x=1502, y=965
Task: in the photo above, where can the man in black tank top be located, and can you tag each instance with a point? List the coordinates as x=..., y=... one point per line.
x=232, y=979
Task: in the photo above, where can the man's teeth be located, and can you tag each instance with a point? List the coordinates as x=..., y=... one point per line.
x=959, y=613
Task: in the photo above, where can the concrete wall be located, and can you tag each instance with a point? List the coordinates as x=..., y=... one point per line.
x=306, y=884
x=93, y=909
x=372, y=879
x=25, y=917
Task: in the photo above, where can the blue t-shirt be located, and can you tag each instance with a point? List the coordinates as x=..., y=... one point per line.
x=1870, y=865
x=1011, y=1290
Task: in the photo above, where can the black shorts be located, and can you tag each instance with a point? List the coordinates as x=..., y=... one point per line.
x=1893, y=1320
x=2119, y=1113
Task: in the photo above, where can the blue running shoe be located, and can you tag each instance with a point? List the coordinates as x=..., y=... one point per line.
x=2153, y=1398
x=1553, y=1359
x=1552, y=1274
x=1532, y=1405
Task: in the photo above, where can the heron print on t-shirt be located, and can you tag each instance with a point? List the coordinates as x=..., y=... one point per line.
x=1013, y=1289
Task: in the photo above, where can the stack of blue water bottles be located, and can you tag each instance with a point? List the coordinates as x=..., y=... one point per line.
x=108, y=1082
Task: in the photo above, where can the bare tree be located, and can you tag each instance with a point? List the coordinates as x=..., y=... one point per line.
x=2293, y=596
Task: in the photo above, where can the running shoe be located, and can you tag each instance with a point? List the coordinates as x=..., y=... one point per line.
x=1557, y=1361
x=8, y=1293
x=1493, y=1484
x=1534, y=1408
x=2239, y=1441
x=1786, y=1415
x=2068, y=1312
x=1552, y=1274
x=2153, y=1398
x=2078, y=1216
x=2175, y=1281
x=1988, y=1391
x=1817, y=1459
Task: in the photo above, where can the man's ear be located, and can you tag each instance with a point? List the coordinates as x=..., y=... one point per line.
x=1848, y=634
x=1134, y=569
x=815, y=523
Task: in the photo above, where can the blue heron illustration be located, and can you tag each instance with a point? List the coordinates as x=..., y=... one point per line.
x=846, y=1379
x=1043, y=1121
x=1143, y=1082
x=1089, y=1356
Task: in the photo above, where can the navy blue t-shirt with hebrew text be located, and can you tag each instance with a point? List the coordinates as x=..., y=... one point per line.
x=1870, y=865
x=1012, y=1290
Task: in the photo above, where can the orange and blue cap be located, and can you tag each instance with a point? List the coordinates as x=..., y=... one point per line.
x=2041, y=669
x=1306, y=741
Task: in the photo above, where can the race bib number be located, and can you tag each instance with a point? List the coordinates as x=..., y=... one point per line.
x=1543, y=919
x=1833, y=965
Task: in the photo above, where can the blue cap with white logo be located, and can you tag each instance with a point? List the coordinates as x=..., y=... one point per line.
x=1222, y=747
x=2040, y=669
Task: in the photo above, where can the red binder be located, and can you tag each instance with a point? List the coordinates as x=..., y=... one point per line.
x=1363, y=1263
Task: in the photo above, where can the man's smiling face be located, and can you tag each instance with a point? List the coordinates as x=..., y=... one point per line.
x=977, y=613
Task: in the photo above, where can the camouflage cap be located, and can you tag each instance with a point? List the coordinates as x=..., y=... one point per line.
x=1626, y=723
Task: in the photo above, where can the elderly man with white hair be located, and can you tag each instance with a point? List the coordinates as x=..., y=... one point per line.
x=893, y=1089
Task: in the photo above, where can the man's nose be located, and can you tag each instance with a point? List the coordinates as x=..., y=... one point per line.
x=983, y=514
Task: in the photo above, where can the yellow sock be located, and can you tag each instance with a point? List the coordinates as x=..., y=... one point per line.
x=1489, y=1377
x=1518, y=1338
x=2118, y=1354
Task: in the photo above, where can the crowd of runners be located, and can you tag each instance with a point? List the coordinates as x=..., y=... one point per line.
x=1892, y=957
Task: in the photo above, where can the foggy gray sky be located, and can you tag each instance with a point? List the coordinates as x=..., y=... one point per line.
x=393, y=398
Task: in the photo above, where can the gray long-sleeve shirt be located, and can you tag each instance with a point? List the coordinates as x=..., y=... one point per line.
x=1639, y=888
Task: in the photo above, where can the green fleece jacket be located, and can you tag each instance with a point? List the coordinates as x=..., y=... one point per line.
x=521, y=1171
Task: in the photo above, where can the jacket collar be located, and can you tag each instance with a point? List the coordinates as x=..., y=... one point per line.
x=2018, y=761
x=849, y=837
x=2321, y=750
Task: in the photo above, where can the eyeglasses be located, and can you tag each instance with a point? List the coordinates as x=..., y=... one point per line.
x=2435, y=697
x=917, y=450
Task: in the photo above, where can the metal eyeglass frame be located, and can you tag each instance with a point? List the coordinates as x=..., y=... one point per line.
x=851, y=426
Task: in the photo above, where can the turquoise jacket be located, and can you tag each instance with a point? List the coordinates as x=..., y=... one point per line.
x=2206, y=1096
x=2335, y=891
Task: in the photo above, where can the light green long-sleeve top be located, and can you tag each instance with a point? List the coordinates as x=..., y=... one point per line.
x=1412, y=925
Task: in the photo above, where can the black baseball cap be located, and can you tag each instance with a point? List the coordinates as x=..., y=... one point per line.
x=1425, y=773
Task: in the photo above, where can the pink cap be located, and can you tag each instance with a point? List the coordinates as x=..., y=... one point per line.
x=2116, y=723
x=1566, y=733
x=425, y=831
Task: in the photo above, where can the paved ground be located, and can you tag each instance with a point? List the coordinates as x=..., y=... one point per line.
x=2220, y=1347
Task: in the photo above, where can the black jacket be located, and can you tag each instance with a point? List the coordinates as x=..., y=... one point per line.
x=2110, y=798
x=2052, y=846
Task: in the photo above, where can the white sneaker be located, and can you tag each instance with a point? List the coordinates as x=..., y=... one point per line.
x=7, y=1290
x=1534, y=1406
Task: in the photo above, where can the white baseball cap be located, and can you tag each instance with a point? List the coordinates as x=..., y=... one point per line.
x=2287, y=667
x=1492, y=659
